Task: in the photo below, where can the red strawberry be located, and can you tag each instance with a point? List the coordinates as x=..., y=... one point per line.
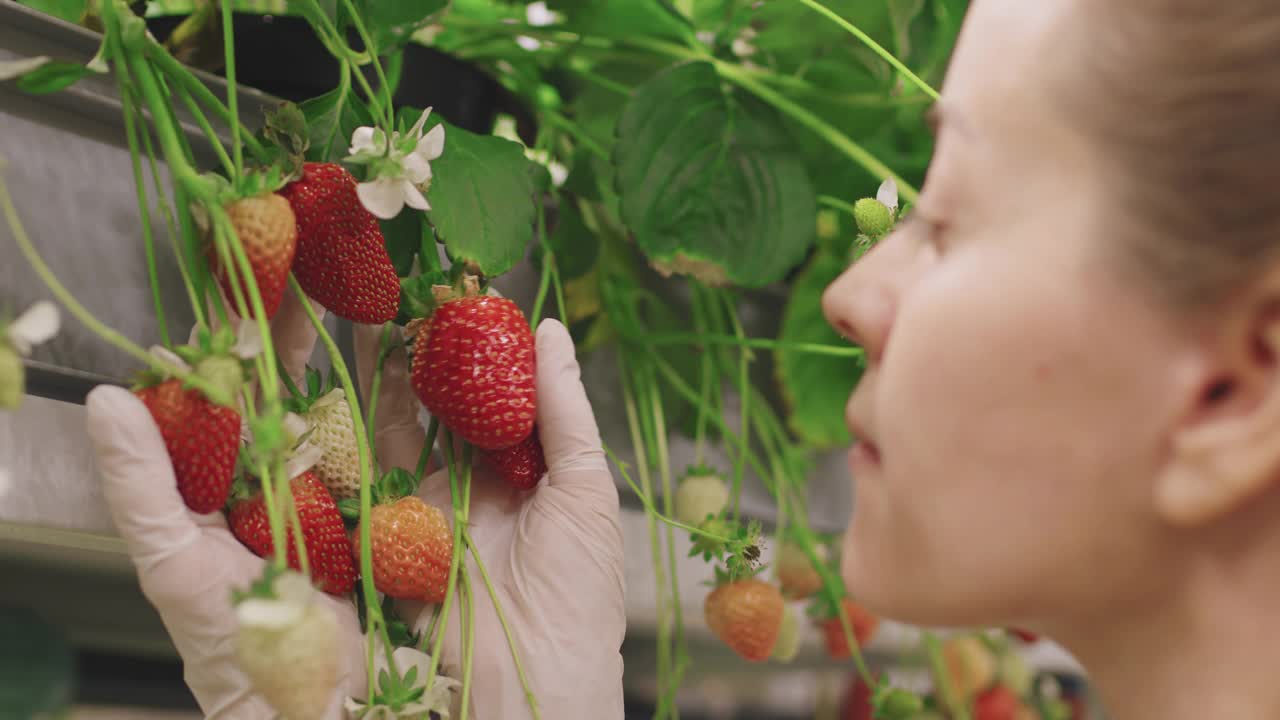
x=269, y=234
x=861, y=621
x=997, y=703
x=203, y=440
x=342, y=260
x=473, y=367
x=323, y=534
x=521, y=465
x=747, y=616
x=1025, y=636
x=411, y=548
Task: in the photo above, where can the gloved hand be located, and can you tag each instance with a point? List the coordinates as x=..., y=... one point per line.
x=187, y=563
x=554, y=554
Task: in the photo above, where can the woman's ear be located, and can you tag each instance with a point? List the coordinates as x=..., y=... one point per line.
x=1226, y=451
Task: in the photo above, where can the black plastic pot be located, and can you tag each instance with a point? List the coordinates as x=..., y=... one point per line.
x=281, y=56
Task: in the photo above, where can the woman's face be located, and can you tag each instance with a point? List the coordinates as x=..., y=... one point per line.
x=1020, y=392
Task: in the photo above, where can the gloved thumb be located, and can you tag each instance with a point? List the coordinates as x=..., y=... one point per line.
x=566, y=424
x=137, y=478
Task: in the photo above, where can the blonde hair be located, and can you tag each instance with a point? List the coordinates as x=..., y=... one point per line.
x=1185, y=95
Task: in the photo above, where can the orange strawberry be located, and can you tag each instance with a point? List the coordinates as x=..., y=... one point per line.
x=323, y=534
x=473, y=367
x=203, y=440
x=747, y=616
x=342, y=260
x=861, y=621
x=411, y=547
x=269, y=233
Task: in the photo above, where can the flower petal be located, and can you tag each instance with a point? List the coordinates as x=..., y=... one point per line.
x=416, y=130
x=248, y=341
x=431, y=146
x=383, y=197
x=528, y=43
x=888, y=193
x=417, y=168
x=268, y=614
x=10, y=69
x=303, y=459
x=414, y=198
x=538, y=15
x=39, y=323
x=368, y=140
x=168, y=357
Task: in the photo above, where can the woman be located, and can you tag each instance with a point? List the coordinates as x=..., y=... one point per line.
x=1070, y=413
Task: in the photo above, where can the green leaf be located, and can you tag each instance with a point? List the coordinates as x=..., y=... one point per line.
x=331, y=118
x=623, y=18
x=710, y=185
x=415, y=296
x=482, y=199
x=70, y=10
x=51, y=76
x=403, y=234
x=392, y=23
x=815, y=387
x=575, y=246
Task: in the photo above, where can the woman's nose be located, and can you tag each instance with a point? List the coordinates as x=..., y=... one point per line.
x=862, y=302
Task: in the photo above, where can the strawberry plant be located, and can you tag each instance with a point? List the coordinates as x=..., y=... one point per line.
x=687, y=163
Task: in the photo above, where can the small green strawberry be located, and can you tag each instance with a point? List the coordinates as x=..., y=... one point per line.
x=12, y=378
x=33, y=327
x=701, y=494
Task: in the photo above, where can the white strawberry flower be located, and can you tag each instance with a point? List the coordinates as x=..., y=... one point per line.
x=401, y=166
x=438, y=700
x=293, y=593
x=888, y=194
x=34, y=327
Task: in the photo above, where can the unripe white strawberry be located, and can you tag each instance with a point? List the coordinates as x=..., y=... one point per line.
x=701, y=494
x=788, y=644
x=287, y=645
x=333, y=432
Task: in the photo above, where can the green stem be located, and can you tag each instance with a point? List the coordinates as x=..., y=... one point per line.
x=459, y=522
x=373, y=609
x=659, y=339
x=178, y=73
x=800, y=114
x=144, y=208
x=837, y=203
x=375, y=385
x=744, y=400
x=705, y=380
x=387, y=102
x=649, y=507
x=502, y=620
x=642, y=464
x=668, y=496
x=215, y=394
x=425, y=456
x=229, y=53
x=548, y=262
x=866, y=40
x=468, y=644
x=957, y=709
x=214, y=141
x=564, y=123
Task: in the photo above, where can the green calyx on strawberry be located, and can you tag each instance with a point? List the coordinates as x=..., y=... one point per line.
x=728, y=542
x=890, y=703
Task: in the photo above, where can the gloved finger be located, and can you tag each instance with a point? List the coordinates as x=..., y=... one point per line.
x=398, y=435
x=294, y=336
x=566, y=423
x=138, y=478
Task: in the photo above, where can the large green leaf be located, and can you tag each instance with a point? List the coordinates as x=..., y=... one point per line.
x=815, y=387
x=482, y=199
x=709, y=182
x=69, y=10
x=331, y=118
x=392, y=23
x=623, y=18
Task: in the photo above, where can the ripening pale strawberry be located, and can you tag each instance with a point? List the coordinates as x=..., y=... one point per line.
x=269, y=233
x=797, y=576
x=521, y=465
x=474, y=369
x=747, y=616
x=342, y=261
x=861, y=622
x=323, y=534
x=203, y=440
x=411, y=547
x=288, y=648
x=701, y=494
x=970, y=664
x=333, y=431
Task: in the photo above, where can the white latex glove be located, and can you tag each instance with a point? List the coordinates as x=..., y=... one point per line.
x=188, y=564
x=554, y=554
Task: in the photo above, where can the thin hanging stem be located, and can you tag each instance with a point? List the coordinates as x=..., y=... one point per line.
x=215, y=142
x=957, y=708
x=709, y=339
x=144, y=208
x=502, y=620
x=425, y=456
x=875, y=46
x=178, y=73
x=459, y=521
x=233, y=100
x=650, y=508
